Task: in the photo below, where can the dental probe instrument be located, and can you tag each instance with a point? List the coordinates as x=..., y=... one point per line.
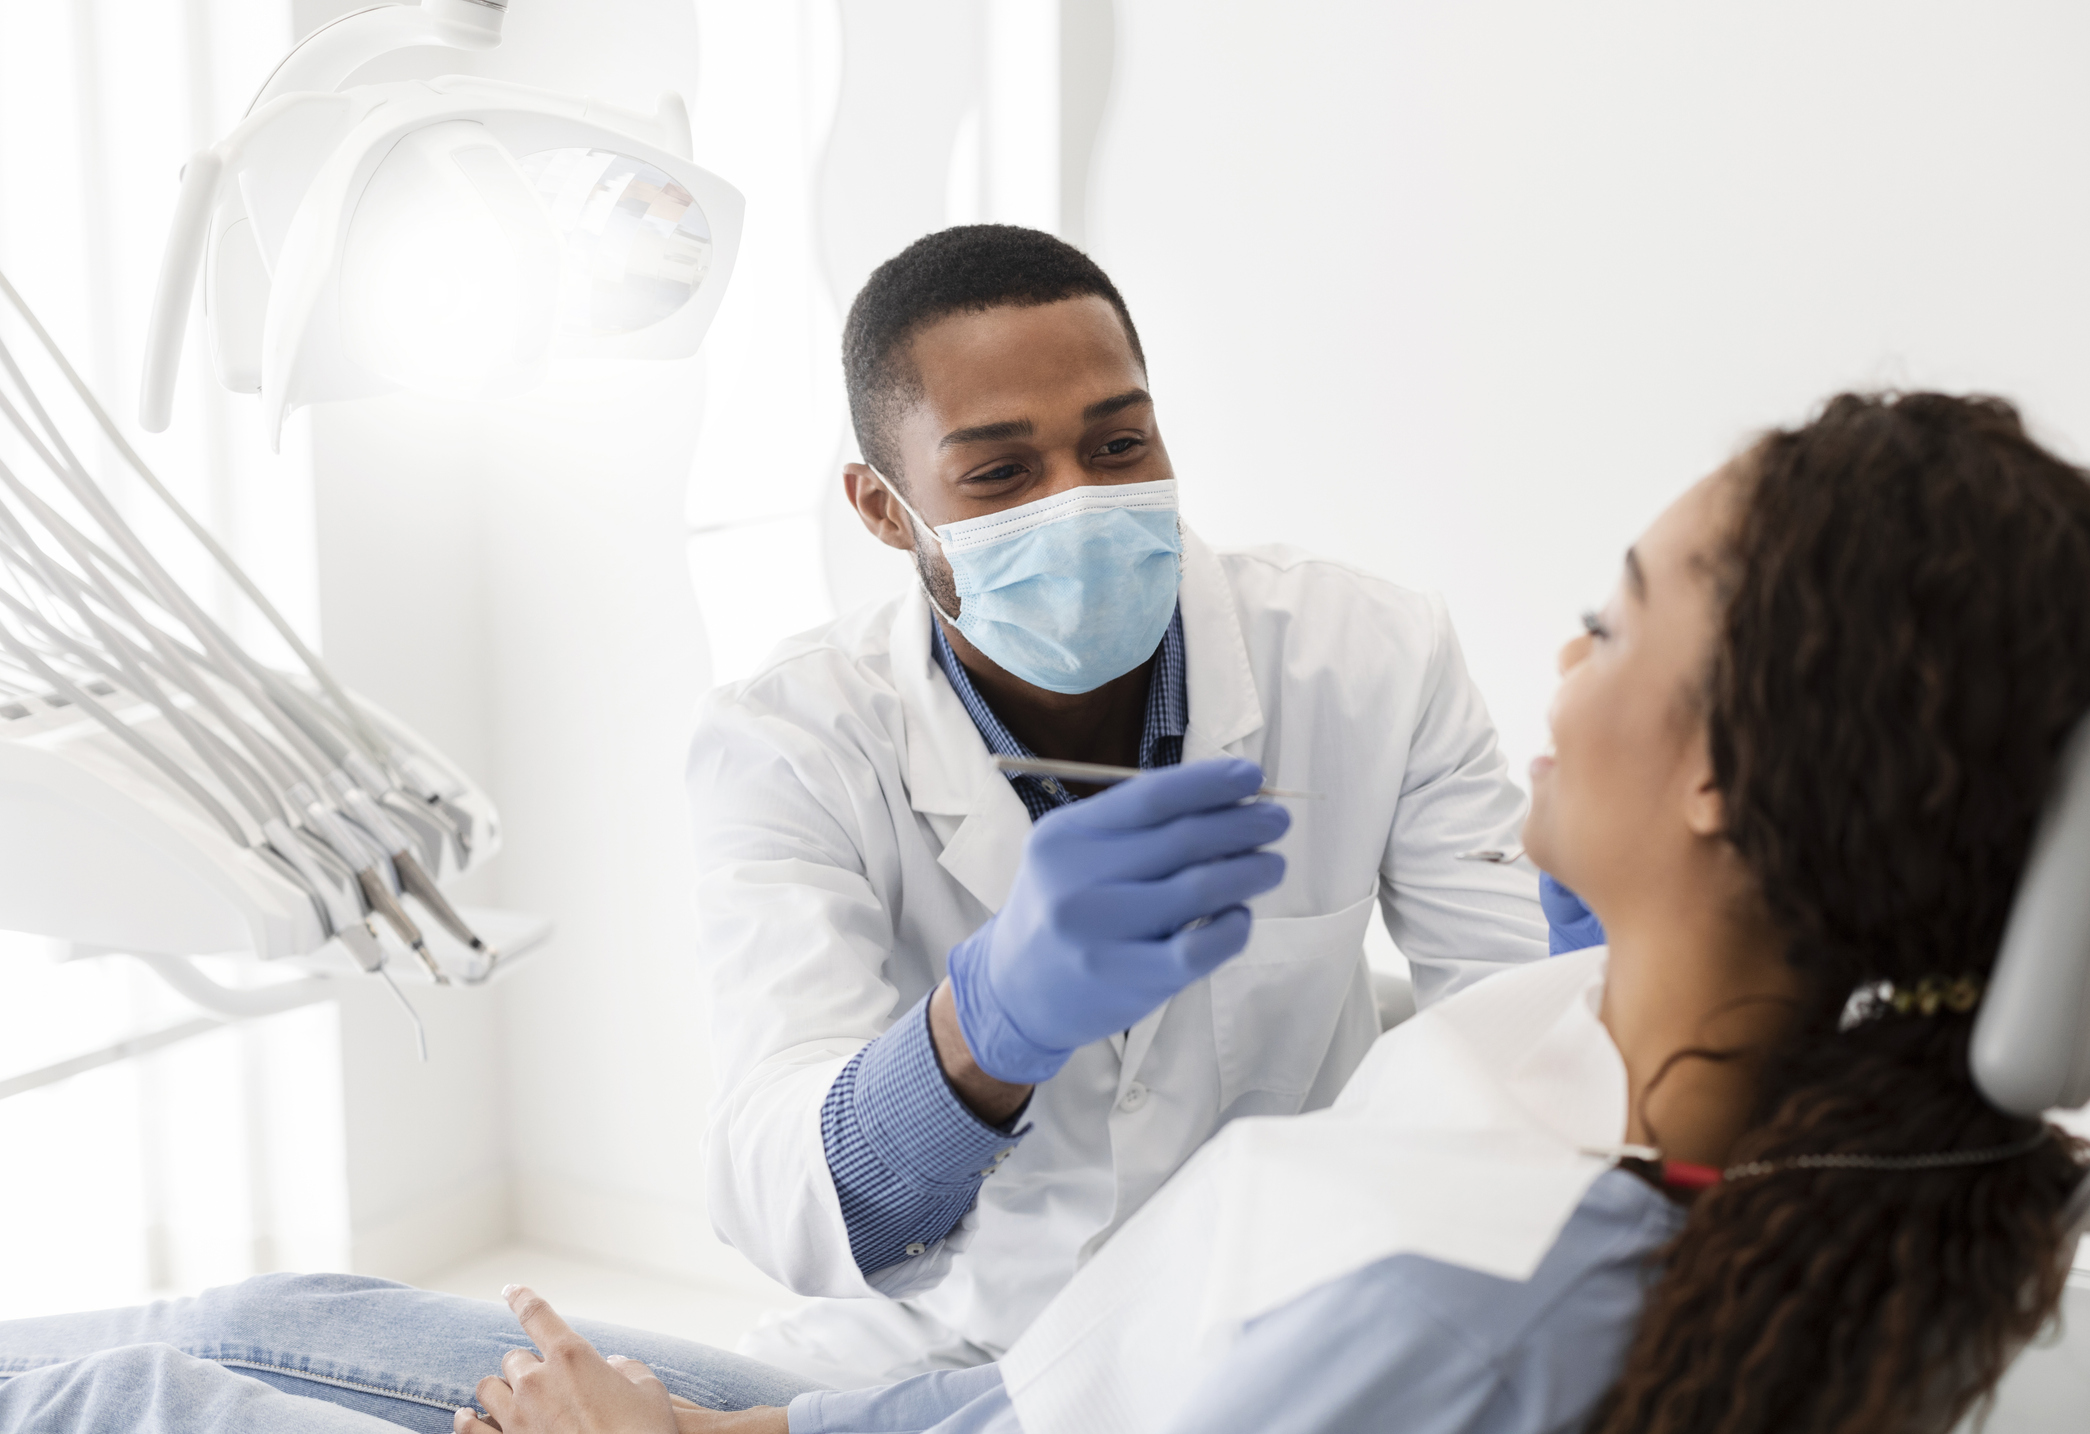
x=1098, y=772
x=1494, y=855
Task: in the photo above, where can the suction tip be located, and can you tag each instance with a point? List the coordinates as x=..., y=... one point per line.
x=435, y=969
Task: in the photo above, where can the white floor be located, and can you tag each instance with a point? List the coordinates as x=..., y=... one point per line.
x=584, y=1288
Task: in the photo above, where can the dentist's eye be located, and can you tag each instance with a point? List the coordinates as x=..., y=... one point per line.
x=1119, y=447
x=1000, y=473
x=1593, y=624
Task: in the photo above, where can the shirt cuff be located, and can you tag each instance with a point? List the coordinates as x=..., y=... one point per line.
x=909, y=1405
x=914, y=1122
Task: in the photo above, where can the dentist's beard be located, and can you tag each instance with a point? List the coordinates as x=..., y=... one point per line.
x=935, y=574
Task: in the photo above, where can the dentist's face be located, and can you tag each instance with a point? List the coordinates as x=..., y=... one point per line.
x=1016, y=404
x=1626, y=793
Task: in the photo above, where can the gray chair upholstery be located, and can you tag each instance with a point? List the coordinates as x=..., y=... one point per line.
x=2031, y=1050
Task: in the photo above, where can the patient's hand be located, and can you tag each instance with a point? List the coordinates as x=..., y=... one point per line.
x=570, y=1389
x=696, y=1419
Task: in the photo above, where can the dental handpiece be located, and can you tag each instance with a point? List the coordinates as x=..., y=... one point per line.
x=1100, y=773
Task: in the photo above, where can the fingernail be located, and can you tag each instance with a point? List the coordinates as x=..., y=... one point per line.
x=616, y=1358
x=507, y=1290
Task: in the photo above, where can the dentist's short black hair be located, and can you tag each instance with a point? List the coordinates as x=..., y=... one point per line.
x=968, y=269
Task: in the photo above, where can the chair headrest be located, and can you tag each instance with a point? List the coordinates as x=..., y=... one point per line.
x=2031, y=1048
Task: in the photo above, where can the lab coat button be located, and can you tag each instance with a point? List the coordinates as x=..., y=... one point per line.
x=1134, y=1097
x=917, y=1248
x=1001, y=1155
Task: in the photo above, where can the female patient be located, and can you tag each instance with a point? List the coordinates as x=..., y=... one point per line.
x=1798, y=759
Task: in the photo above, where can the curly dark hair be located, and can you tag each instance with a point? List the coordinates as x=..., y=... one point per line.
x=1903, y=651
x=967, y=269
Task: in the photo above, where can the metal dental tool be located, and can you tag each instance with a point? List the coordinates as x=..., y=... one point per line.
x=1493, y=855
x=1102, y=774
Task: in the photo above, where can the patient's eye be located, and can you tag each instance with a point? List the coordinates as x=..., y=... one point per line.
x=1593, y=624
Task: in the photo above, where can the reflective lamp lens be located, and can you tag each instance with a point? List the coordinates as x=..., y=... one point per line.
x=636, y=244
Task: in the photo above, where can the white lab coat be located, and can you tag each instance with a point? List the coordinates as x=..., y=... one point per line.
x=850, y=830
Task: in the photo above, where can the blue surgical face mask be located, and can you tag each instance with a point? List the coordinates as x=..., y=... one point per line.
x=1071, y=590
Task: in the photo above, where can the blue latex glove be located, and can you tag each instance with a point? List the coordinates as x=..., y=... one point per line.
x=1570, y=926
x=1095, y=931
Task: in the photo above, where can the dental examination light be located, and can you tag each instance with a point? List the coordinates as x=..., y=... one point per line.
x=446, y=236
x=165, y=794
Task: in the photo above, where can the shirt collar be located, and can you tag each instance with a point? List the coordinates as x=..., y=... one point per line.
x=1160, y=739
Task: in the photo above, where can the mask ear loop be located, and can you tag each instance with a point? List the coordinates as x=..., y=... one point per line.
x=908, y=508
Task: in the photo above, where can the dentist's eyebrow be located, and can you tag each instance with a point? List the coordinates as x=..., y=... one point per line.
x=1024, y=428
x=1108, y=406
x=1635, y=575
x=989, y=432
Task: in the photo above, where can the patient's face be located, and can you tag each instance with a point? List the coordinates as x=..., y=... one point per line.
x=1615, y=801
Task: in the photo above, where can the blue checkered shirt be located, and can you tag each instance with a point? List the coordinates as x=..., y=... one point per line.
x=907, y=1156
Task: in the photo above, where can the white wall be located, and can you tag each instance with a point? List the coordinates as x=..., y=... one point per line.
x=1462, y=293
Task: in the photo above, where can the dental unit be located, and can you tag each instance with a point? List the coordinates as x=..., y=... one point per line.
x=164, y=793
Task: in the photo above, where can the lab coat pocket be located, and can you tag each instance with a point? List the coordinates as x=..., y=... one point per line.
x=1275, y=1006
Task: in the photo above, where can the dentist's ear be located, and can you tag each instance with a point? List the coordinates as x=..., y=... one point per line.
x=876, y=507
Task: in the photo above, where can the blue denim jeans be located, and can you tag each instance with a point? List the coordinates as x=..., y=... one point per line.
x=330, y=1354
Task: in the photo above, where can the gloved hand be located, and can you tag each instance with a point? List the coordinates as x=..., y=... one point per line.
x=1095, y=931
x=1570, y=925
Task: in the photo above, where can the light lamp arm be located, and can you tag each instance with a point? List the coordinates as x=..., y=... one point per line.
x=177, y=286
x=330, y=54
x=325, y=58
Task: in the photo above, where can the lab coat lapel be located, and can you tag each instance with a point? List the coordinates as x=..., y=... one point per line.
x=947, y=768
x=1225, y=709
x=987, y=849
x=1137, y=1042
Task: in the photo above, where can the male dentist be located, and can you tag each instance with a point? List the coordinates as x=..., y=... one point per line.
x=966, y=1023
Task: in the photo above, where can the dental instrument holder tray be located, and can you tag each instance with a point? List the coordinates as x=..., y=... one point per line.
x=96, y=849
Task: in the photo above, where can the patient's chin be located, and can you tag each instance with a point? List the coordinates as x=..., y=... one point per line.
x=1545, y=849
x=1537, y=834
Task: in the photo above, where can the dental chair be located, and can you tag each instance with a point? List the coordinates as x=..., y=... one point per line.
x=2031, y=1056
